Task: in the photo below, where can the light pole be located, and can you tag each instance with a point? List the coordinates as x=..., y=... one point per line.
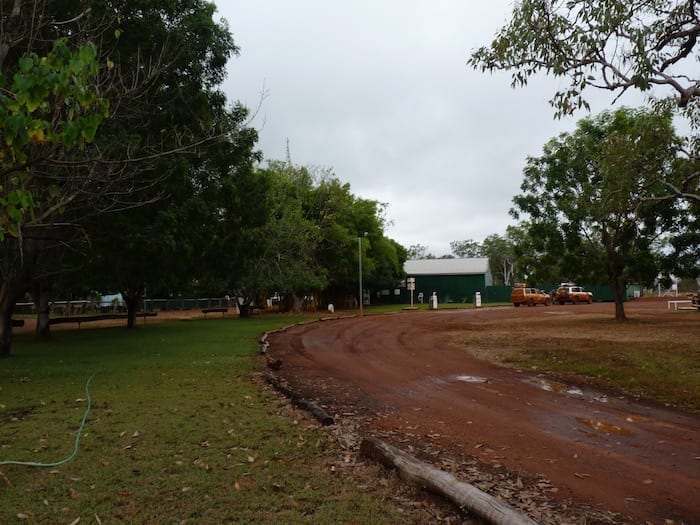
x=359, y=262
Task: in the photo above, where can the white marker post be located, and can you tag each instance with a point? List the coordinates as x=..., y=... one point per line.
x=411, y=286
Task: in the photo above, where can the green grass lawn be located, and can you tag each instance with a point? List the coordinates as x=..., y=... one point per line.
x=179, y=432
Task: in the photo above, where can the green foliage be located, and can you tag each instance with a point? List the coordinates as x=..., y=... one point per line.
x=418, y=251
x=608, y=45
x=595, y=198
x=284, y=246
x=189, y=190
x=308, y=242
x=681, y=247
x=50, y=103
x=468, y=248
x=501, y=254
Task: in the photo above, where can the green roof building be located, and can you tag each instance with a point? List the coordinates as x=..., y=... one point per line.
x=453, y=280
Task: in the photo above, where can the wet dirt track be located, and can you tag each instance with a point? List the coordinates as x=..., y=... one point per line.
x=404, y=379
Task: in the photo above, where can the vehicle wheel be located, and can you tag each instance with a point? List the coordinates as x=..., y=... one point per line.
x=590, y=300
x=574, y=300
x=548, y=303
x=531, y=302
x=516, y=304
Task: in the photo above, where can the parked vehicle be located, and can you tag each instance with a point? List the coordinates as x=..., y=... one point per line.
x=572, y=294
x=113, y=302
x=529, y=296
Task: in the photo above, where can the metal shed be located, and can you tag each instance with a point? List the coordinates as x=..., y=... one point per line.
x=454, y=280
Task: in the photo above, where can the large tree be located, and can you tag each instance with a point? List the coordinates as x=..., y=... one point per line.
x=280, y=254
x=501, y=253
x=194, y=228
x=313, y=233
x=50, y=110
x=614, y=45
x=343, y=218
x=591, y=197
x=416, y=252
x=468, y=248
x=159, y=67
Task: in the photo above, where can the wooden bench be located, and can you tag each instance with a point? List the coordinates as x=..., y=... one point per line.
x=223, y=310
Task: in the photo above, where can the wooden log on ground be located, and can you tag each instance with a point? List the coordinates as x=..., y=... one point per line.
x=462, y=494
x=319, y=413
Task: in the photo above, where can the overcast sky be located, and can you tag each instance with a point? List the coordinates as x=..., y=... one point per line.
x=379, y=91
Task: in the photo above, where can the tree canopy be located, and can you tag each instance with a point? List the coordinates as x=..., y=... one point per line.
x=615, y=45
x=647, y=45
x=155, y=65
x=307, y=247
x=592, y=198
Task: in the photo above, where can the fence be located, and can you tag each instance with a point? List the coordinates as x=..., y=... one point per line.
x=86, y=306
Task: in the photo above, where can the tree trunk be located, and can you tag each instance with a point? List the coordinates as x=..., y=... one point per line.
x=296, y=304
x=6, y=309
x=244, y=310
x=131, y=299
x=40, y=296
x=8, y=296
x=613, y=270
x=618, y=294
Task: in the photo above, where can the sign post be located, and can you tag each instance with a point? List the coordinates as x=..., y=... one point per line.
x=411, y=286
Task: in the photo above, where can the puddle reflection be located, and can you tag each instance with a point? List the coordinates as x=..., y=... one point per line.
x=601, y=426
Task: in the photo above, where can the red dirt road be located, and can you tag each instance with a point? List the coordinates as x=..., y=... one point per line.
x=605, y=457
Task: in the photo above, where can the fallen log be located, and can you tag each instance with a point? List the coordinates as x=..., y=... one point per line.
x=319, y=413
x=462, y=494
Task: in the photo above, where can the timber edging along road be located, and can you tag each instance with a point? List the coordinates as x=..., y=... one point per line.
x=319, y=413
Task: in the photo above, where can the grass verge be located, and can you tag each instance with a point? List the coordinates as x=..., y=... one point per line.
x=179, y=432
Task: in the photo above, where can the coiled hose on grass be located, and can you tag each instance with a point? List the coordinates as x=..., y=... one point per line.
x=77, y=439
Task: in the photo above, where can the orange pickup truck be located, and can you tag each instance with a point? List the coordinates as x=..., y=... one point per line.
x=572, y=294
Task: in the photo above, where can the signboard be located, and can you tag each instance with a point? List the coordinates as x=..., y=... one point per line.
x=411, y=283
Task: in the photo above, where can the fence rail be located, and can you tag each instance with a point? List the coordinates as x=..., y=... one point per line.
x=86, y=306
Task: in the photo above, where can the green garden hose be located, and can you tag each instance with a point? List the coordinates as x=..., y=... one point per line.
x=77, y=439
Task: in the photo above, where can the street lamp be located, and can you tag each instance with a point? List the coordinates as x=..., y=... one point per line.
x=359, y=261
